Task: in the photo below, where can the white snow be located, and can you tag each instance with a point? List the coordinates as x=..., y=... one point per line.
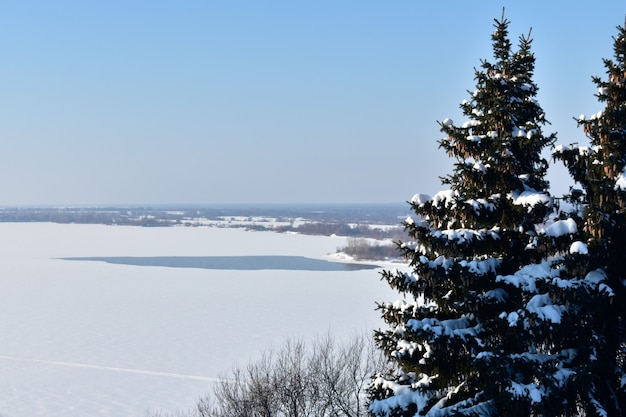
x=460, y=235
x=527, y=277
x=562, y=375
x=542, y=306
x=582, y=150
x=454, y=327
x=479, y=204
x=482, y=266
x=90, y=339
x=526, y=390
x=528, y=86
x=620, y=182
x=420, y=199
x=561, y=228
x=530, y=198
x=403, y=395
x=579, y=247
x=439, y=261
x=470, y=123
x=519, y=132
x=595, y=277
x=598, y=115
x=512, y=318
x=479, y=166
x=446, y=197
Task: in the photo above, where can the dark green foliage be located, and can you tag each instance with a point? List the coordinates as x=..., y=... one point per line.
x=599, y=169
x=484, y=329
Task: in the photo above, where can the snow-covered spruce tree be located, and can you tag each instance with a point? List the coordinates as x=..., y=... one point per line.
x=600, y=169
x=483, y=329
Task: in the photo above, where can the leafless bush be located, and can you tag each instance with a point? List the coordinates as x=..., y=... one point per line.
x=326, y=380
x=363, y=249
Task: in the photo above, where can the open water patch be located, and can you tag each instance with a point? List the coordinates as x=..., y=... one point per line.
x=246, y=263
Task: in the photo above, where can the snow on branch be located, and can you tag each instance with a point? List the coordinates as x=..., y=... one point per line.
x=579, y=247
x=481, y=267
x=460, y=328
x=542, y=306
x=530, y=198
x=481, y=203
x=531, y=391
x=419, y=199
x=561, y=228
x=470, y=124
x=582, y=150
x=445, y=198
x=620, y=182
x=403, y=396
x=526, y=278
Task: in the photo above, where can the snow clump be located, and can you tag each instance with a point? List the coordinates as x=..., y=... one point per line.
x=420, y=199
x=579, y=247
x=562, y=228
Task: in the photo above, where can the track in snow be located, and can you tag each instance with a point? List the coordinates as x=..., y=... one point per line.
x=109, y=368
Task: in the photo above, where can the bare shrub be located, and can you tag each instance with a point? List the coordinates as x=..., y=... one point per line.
x=363, y=249
x=326, y=380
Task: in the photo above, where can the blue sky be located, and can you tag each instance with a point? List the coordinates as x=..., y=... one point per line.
x=205, y=102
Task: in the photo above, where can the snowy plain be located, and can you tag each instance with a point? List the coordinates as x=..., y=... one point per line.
x=81, y=338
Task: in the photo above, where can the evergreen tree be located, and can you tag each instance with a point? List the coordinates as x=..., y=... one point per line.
x=600, y=388
x=484, y=329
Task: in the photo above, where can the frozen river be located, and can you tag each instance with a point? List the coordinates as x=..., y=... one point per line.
x=85, y=338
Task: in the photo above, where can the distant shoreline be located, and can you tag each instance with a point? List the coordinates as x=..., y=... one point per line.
x=223, y=215
x=371, y=227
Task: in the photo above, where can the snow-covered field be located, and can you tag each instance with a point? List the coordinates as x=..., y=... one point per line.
x=81, y=338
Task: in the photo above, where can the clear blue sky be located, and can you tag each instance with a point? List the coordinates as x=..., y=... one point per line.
x=145, y=102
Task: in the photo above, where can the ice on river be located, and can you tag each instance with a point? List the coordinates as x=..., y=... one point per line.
x=84, y=338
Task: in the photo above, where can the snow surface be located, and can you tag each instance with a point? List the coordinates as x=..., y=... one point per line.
x=96, y=339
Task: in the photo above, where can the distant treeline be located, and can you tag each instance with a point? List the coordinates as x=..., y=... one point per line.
x=135, y=217
x=342, y=229
x=319, y=220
